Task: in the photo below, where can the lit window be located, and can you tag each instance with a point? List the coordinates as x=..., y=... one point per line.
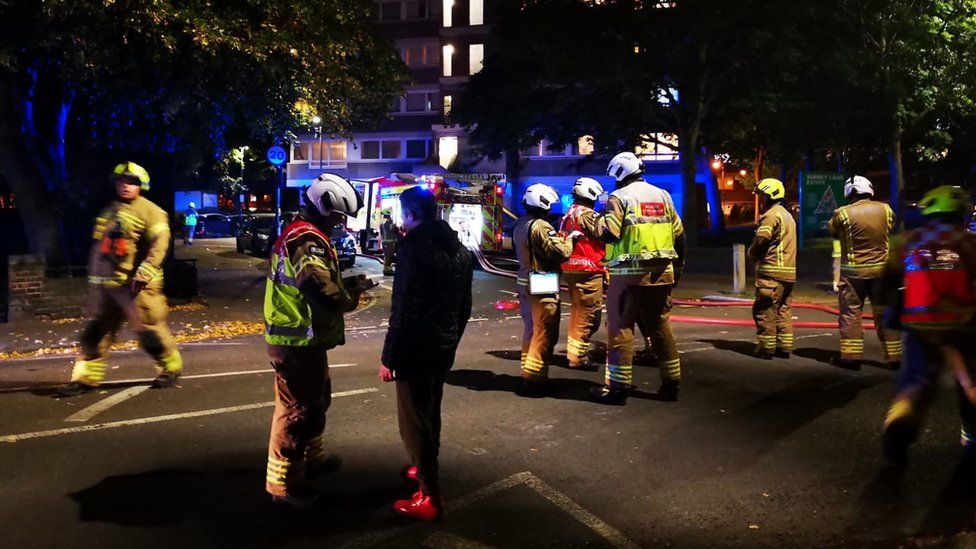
x=476, y=58
x=447, y=104
x=447, y=151
x=327, y=154
x=477, y=12
x=661, y=147
x=585, y=145
x=448, y=8
x=448, y=53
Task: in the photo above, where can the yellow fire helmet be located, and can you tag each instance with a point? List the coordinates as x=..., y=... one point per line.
x=773, y=188
x=132, y=170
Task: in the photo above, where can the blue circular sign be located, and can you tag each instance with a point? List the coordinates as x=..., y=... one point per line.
x=277, y=155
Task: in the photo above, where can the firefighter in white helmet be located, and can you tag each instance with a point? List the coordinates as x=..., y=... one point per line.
x=583, y=273
x=541, y=251
x=304, y=304
x=645, y=257
x=862, y=229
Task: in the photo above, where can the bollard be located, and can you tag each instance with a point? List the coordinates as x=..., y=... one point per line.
x=738, y=268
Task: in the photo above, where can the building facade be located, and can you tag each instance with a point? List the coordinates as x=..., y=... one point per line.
x=443, y=43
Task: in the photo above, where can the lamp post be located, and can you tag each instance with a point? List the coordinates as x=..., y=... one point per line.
x=242, y=191
x=317, y=121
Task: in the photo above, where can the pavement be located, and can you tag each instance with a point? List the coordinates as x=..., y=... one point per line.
x=754, y=454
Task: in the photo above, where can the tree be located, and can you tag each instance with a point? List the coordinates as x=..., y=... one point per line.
x=172, y=84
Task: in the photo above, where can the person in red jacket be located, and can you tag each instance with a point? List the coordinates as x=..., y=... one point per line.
x=583, y=273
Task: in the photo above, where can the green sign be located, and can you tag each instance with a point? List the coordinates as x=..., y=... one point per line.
x=821, y=194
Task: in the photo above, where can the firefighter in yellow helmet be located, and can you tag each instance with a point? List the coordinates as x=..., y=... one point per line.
x=540, y=251
x=773, y=250
x=125, y=275
x=304, y=301
x=862, y=228
x=645, y=258
x=934, y=270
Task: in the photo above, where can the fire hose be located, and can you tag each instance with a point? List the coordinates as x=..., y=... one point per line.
x=705, y=320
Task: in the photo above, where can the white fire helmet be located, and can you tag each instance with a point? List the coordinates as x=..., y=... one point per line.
x=859, y=185
x=623, y=165
x=330, y=192
x=540, y=196
x=588, y=188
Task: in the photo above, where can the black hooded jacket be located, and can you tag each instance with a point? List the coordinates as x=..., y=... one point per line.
x=431, y=299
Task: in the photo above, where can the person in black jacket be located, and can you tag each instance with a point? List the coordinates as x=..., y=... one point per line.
x=431, y=306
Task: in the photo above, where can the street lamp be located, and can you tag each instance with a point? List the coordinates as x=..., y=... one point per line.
x=317, y=121
x=243, y=189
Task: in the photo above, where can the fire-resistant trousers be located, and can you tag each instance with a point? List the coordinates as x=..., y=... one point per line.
x=146, y=313
x=852, y=293
x=773, y=314
x=389, y=252
x=303, y=393
x=419, y=398
x=586, y=295
x=627, y=301
x=921, y=366
x=540, y=331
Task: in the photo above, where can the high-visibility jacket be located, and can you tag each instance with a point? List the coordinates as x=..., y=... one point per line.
x=863, y=229
x=191, y=218
x=588, y=250
x=304, y=259
x=774, y=246
x=131, y=239
x=643, y=226
x=939, y=263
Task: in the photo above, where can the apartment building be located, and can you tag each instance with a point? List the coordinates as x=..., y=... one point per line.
x=443, y=42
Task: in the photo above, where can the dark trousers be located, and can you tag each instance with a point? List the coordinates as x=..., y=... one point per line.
x=419, y=415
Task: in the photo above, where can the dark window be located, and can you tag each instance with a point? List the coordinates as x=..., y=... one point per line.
x=389, y=11
x=391, y=149
x=371, y=150
x=416, y=148
x=416, y=102
x=416, y=10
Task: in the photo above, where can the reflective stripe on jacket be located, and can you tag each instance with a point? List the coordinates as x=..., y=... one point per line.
x=863, y=229
x=290, y=320
x=647, y=227
x=774, y=246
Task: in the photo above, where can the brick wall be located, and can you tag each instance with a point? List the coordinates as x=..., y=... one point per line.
x=25, y=281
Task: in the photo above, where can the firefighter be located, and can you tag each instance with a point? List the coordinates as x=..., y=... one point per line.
x=390, y=235
x=774, y=251
x=125, y=275
x=935, y=269
x=540, y=251
x=189, y=224
x=645, y=257
x=862, y=228
x=304, y=302
x=583, y=273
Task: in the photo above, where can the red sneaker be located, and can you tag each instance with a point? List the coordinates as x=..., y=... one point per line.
x=410, y=473
x=421, y=507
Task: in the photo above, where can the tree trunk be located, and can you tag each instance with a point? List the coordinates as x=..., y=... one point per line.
x=689, y=188
x=39, y=216
x=757, y=169
x=897, y=178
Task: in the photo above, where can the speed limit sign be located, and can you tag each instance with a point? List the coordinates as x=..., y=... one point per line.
x=277, y=155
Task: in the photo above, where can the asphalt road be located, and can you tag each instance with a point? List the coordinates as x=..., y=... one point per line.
x=755, y=453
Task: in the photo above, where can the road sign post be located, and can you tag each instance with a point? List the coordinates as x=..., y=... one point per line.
x=277, y=157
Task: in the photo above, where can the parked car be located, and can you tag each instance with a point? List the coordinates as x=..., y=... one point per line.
x=257, y=238
x=215, y=225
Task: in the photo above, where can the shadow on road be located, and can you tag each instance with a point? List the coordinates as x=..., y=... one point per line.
x=231, y=506
x=825, y=356
x=486, y=380
x=742, y=347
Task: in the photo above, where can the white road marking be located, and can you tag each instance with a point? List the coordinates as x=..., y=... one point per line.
x=563, y=502
x=385, y=287
x=69, y=353
x=445, y=540
x=195, y=376
x=157, y=419
x=87, y=413
x=508, y=292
